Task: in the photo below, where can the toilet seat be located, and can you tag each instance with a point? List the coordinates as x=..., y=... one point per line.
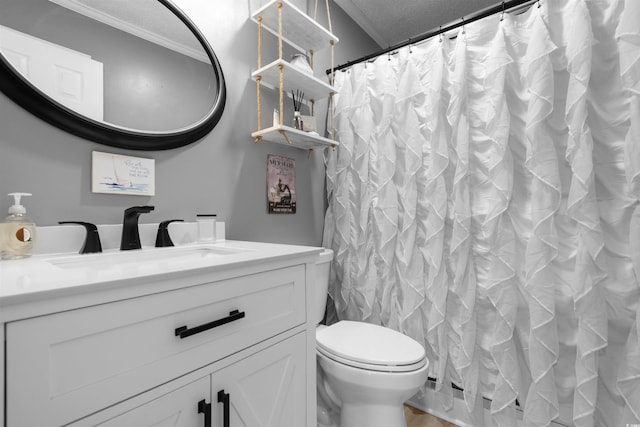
x=371, y=347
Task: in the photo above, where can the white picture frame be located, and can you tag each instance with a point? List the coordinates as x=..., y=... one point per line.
x=118, y=174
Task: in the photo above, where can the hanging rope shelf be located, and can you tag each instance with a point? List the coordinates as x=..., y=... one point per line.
x=297, y=29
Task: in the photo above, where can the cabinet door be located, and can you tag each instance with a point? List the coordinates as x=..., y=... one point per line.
x=266, y=389
x=178, y=408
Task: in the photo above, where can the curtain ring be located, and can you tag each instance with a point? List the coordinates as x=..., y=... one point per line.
x=463, y=30
x=539, y=5
x=440, y=34
x=502, y=16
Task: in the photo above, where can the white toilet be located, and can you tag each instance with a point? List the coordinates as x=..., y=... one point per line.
x=369, y=371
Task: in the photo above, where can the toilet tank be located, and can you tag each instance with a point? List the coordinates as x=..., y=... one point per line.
x=323, y=265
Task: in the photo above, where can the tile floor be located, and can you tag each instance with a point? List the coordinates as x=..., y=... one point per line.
x=417, y=418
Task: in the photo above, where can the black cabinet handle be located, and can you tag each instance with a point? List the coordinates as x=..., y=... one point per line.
x=225, y=399
x=205, y=408
x=184, y=331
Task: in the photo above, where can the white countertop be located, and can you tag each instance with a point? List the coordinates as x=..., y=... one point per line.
x=47, y=276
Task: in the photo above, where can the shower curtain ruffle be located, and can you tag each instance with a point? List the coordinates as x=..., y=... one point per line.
x=484, y=200
x=628, y=37
x=410, y=262
x=542, y=247
x=501, y=281
x=462, y=290
x=433, y=206
x=583, y=208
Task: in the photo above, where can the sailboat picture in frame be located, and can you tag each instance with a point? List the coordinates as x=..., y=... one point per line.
x=117, y=174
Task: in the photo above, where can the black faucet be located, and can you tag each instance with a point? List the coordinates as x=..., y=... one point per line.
x=130, y=234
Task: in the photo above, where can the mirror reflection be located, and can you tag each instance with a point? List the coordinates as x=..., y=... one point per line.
x=130, y=64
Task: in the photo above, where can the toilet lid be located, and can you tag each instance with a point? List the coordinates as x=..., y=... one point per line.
x=366, y=345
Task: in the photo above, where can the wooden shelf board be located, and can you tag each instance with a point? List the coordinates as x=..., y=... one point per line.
x=298, y=29
x=298, y=138
x=293, y=79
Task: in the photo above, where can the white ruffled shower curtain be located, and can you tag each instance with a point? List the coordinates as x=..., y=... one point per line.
x=485, y=200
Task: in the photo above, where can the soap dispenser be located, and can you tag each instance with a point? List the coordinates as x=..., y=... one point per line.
x=18, y=231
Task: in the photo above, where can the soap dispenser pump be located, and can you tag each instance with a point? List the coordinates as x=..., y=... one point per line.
x=18, y=231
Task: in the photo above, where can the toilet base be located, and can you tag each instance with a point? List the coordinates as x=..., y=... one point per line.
x=372, y=416
x=367, y=395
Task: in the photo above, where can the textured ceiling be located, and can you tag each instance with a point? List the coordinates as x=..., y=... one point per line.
x=390, y=22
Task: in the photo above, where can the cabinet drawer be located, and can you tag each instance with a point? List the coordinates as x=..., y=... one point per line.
x=69, y=365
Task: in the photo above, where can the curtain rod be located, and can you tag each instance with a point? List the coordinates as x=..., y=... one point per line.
x=504, y=6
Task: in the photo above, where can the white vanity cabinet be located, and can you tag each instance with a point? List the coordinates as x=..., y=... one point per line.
x=162, y=350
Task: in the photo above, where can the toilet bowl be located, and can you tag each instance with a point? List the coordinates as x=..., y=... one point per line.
x=367, y=370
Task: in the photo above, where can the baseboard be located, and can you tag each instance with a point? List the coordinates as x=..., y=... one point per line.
x=431, y=401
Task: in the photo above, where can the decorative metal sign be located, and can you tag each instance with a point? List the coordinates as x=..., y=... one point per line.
x=281, y=189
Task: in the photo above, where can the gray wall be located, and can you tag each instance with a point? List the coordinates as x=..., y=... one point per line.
x=224, y=173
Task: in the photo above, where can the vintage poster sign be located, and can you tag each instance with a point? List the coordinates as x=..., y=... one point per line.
x=281, y=188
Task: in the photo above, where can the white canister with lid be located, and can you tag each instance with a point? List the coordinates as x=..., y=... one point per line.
x=206, y=228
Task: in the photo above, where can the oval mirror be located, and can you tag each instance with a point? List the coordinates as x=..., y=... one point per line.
x=132, y=74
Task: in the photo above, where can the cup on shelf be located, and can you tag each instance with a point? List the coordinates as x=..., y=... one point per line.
x=296, y=123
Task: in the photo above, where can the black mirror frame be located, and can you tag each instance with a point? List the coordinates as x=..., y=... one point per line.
x=33, y=100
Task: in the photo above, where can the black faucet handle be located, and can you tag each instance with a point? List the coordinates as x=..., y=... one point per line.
x=92, y=239
x=162, y=238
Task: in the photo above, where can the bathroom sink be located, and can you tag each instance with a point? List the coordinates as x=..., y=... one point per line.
x=155, y=256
